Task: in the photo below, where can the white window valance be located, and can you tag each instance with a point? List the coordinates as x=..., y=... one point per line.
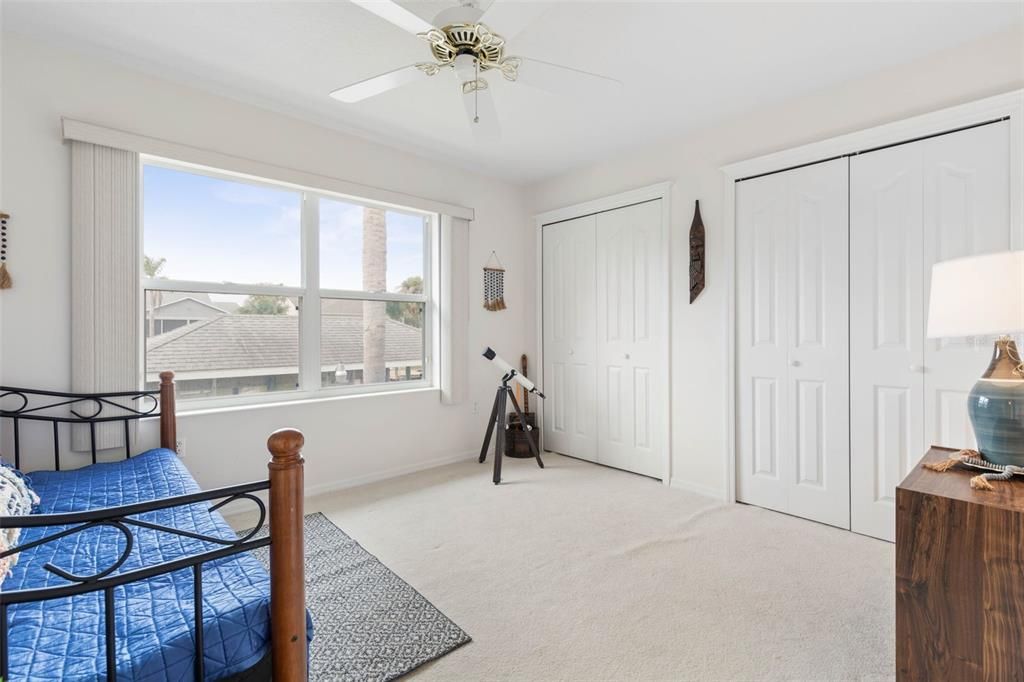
x=82, y=131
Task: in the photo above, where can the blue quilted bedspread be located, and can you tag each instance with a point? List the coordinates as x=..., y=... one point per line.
x=63, y=638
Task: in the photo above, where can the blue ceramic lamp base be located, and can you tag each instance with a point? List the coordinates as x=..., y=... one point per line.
x=996, y=407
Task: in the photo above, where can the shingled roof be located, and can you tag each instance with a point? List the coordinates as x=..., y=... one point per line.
x=254, y=341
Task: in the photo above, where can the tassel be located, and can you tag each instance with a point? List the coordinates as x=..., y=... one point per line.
x=944, y=465
x=947, y=464
x=5, y=277
x=981, y=483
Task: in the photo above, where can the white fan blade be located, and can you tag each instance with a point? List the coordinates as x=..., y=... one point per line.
x=482, y=114
x=378, y=84
x=510, y=18
x=396, y=14
x=563, y=79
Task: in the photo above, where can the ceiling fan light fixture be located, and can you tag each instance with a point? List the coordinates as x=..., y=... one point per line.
x=509, y=68
x=429, y=68
x=474, y=85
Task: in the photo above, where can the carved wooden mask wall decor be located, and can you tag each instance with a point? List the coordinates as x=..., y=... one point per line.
x=696, y=254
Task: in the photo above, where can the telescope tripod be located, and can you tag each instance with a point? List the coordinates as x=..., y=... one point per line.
x=499, y=417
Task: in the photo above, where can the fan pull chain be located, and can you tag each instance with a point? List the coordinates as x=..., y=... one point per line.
x=476, y=93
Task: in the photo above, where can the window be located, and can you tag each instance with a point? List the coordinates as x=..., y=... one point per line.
x=253, y=287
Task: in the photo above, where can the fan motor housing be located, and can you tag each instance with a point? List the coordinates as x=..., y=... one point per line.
x=472, y=39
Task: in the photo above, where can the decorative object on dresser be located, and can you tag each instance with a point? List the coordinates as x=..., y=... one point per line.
x=696, y=253
x=984, y=296
x=973, y=459
x=5, y=276
x=959, y=593
x=494, y=284
x=517, y=444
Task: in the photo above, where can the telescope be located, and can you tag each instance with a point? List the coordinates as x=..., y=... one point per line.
x=498, y=422
x=511, y=372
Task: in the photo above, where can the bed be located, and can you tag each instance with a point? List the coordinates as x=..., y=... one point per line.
x=122, y=560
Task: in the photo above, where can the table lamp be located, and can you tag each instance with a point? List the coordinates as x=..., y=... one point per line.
x=984, y=296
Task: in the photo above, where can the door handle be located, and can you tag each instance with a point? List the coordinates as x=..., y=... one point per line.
x=794, y=363
x=627, y=356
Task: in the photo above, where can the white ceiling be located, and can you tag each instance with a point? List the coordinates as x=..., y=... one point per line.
x=684, y=65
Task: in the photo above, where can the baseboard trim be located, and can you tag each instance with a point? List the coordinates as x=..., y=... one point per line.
x=246, y=519
x=698, y=489
x=395, y=472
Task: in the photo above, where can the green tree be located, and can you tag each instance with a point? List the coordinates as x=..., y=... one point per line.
x=408, y=313
x=153, y=267
x=263, y=304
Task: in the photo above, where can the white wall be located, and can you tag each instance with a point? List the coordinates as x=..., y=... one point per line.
x=348, y=439
x=2, y=208
x=699, y=364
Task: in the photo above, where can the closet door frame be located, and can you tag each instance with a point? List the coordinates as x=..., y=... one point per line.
x=1009, y=106
x=659, y=191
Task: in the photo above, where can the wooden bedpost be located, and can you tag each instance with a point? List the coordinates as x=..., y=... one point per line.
x=168, y=425
x=287, y=557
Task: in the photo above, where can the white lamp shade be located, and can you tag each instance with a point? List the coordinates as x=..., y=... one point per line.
x=977, y=296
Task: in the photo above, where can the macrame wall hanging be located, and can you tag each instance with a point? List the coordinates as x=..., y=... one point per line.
x=5, y=276
x=494, y=284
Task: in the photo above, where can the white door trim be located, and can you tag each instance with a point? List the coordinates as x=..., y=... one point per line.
x=662, y=191
x=1007, y=105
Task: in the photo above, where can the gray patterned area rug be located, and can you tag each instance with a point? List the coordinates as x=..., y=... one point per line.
x=368, y=624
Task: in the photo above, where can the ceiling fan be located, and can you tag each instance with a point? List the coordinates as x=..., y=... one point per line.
x=460, y=40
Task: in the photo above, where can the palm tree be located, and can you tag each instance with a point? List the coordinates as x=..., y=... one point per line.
x=375, y=315
x=408, y=313
x=152, y=267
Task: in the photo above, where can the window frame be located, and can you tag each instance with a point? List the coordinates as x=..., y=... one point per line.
x=308, y=293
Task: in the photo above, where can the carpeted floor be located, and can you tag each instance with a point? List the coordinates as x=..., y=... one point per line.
x=579, y=572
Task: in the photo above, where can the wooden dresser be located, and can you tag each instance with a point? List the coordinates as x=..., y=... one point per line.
x=959, y=577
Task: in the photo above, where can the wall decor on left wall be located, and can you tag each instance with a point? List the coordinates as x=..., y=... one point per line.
x=5, y=276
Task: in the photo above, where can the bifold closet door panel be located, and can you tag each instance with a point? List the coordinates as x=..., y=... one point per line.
x=819, y=350
x=911, y=206
x=570, y=413
x=792, y=342
x=887, y=316
x=966, y=212
x=632, y=375
x=764, y=469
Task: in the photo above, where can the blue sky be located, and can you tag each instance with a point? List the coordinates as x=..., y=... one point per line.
x=216, y=230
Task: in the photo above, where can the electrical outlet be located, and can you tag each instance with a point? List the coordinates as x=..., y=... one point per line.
x=179, y=446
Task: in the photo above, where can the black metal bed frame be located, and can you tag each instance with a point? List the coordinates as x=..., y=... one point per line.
x=120, y=518
x=76, y=404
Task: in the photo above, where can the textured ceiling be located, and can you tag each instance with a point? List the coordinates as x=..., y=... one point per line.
x=684, y=65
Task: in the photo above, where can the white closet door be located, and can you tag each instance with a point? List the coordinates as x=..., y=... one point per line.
x=966, y=212
x=819, y=388
x=570, y=414
x=764, y=472
x=911, y=206
x=886, y=331
x=631, y=370
x=792, y=342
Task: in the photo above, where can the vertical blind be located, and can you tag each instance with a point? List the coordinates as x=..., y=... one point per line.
x=105, y=276
x=454, y=309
